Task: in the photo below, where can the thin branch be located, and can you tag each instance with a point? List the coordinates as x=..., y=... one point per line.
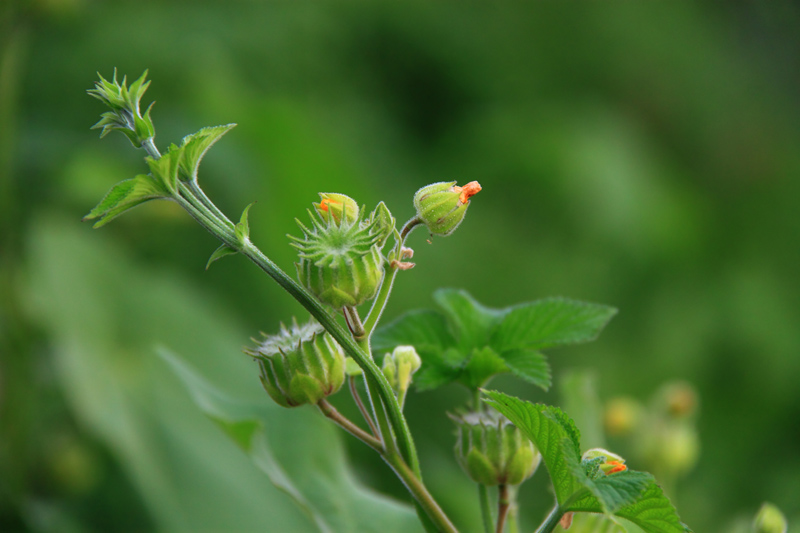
x=357, y=398
x=345, y=423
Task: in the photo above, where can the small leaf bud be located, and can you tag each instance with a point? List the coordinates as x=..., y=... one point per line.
x=442, y=206
x=769, y=520
x=492, y=451
x=301, y=364
x=337, y=207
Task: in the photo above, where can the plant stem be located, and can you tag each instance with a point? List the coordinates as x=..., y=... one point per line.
x=502, y=506
x=551, y=521
x=486, y=508
x=357, y=398
x=477, y=404
x=379, y=304
x=343, y=422
x=420, y=493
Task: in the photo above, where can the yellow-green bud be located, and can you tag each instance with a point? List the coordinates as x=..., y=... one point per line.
x=337, y=208
x=442, y=206
x=299, y=365
x=340, y=260
x=770, y=520
x=399, y=366
x=492, y=451
x=622, y=415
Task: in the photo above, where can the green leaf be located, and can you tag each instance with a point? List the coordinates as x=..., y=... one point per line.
x=165, y=168
x=547, y=427
x=529, y=365
x=652, y=511
x=469, y=322
x=550, y=322
x=242, y=229
x=196, y=145
x=123, y=196
x=611, y=492
x=427, y=332
x=482, y=365
x=223, y=251
x=322, y=487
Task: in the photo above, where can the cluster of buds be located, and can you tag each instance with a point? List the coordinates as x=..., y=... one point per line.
x=442, y=206
x=492, y=451
x=300, y=365
x=124, y=104
x=340, y=255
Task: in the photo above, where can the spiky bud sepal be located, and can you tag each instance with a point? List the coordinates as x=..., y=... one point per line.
x=300, y=364
x=492, y=451
x=340, y=261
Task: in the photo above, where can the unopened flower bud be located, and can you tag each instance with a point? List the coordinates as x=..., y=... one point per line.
x=678, y=399
x=611, y=462
x=337, y=208
x=399, y=366
x=340, y=259
x=299, y=365
x=770, y=520
x=442, y=206
x=492, y=451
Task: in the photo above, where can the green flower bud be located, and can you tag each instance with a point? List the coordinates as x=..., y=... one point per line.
x=442, y=206
x=299, y=365
x=770, y=520
x=492, y=451
x=384, y=222
x=611, y=462
x=340, y=261
x=337, y=207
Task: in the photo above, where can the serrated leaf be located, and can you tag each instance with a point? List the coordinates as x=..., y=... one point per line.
x=652, y=510
x=547, y=427
x=223, y=251
x=482, y=365
x=242, y=229
x=196, y=145
x=529, y=365
x=469, y=322
x=612, y=492
x=550, y=322
x=123, y=196
x=165, y=169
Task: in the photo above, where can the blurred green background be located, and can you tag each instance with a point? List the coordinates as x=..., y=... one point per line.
x=643, y=156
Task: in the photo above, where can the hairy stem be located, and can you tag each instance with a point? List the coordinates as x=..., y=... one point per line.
x=551, y=521
x=486, y=508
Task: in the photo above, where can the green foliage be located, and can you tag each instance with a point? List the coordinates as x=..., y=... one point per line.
x=469, y=343
x=124, y=104
x=242, y=228
x=223, y=251
x=195, y=146
x=580, y=487
x=123, y=196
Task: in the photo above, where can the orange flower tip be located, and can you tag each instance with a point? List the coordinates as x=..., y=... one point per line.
x=616, y=467
x=324, y=203
x=469, y=190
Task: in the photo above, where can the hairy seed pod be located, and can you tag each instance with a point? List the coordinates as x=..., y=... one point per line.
x=442, y=206
x=340, y=260
x=492, y=451
x=300, y=365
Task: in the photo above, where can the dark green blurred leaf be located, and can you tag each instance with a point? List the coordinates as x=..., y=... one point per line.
x=317, y=477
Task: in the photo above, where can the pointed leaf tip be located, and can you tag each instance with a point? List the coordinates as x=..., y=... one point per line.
x=219, y=253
